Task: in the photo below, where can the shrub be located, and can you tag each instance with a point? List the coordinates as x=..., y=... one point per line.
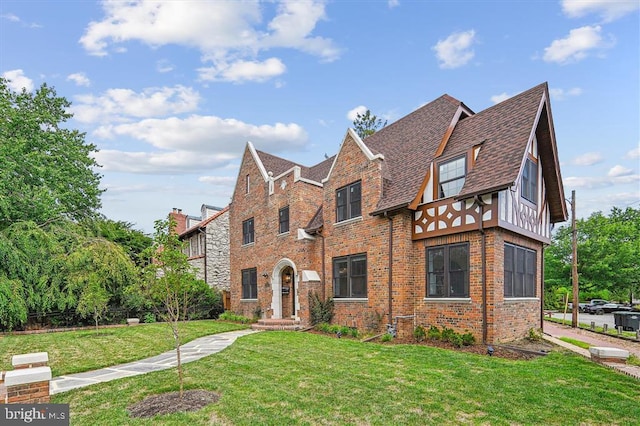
x=231, y=317
x=149, y=317
x=419, y=333
x=434, y=333
x=468, y=339
x=257, y=313
x=456, y=340
x=535, y=334
x=447, y=333
x=321, y=311
x=386, y=337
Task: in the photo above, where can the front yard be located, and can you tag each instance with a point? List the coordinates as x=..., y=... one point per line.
x=285, y=378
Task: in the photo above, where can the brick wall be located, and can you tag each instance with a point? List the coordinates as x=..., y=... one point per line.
x=28, y=383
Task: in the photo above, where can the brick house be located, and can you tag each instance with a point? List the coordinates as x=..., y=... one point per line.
x=440, y=218
x=207, y=238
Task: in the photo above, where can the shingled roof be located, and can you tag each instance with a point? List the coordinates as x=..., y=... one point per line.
x=278, y=165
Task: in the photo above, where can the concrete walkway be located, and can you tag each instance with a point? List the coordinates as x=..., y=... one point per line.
x=553, y=332
x=192, y=351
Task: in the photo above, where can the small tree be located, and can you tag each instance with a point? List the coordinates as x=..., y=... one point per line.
x=367, y=124
x=168, y=282
x=93, y=300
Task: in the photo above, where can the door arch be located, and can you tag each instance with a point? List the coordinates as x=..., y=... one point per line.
x=284, y=275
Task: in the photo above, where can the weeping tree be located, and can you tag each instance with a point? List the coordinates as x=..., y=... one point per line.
x=96, y=271
x=169, y=282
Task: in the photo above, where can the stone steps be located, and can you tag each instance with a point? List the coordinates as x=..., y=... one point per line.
x=271, y=324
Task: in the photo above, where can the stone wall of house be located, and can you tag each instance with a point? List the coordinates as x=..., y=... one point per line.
x=217, y=253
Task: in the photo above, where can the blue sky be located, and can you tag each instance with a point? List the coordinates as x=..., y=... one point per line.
x=171, y=91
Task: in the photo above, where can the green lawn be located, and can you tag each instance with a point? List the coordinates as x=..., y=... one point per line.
x=78, y=351
x=285, y=378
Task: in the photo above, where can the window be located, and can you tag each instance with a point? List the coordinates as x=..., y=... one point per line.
x=448, y=271
x=519, y=271
x=247, y=231
x=350, y=276
x=247, y=183
x=530, y=182
x=283, y=220
x=348, y=202
x=249, y=283
x=451, y=177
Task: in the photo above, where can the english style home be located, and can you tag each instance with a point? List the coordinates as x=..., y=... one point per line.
x=440, y=218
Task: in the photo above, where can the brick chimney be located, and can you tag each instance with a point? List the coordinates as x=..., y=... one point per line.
x=181, y=220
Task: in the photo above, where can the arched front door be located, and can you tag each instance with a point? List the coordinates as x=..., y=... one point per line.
x=284, y=287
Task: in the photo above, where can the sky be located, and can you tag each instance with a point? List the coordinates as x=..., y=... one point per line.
x=171, y=91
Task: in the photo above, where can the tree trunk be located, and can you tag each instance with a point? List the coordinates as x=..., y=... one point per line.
x=176, y=337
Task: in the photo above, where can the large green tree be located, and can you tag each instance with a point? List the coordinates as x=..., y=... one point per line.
x=47, y=171
x=367, y=124
x=608, y=254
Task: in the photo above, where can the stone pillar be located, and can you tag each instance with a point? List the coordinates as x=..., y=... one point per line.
x=29, y=382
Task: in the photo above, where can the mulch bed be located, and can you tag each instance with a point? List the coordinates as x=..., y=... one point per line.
x=167, y=403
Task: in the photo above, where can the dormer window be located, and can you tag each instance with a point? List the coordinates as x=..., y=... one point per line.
x=451, y=176
x=529, y=188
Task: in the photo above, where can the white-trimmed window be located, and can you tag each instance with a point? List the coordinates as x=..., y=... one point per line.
x=249, y=283
x=350, y=276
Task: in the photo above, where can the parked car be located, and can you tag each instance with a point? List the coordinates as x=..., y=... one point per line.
x=580, y=306
x=601, y=306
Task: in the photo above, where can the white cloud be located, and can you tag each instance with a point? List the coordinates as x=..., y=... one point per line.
x=173, y=162
x=607, y=9
x=562, y=94
x=122, y=104
x=353, y=114
x=206, y=134
x=588, y=159
x=79, y=79
x=619, y=171
x=577, y=45
x=18, y=81
x=218, y=180
x=228, y=34
x=496, y=99
x=244, y=71
x=10, y=17
x=455, y=51
x=164, y=65
x=633, y=154
x=591, y=182
x=393, y=3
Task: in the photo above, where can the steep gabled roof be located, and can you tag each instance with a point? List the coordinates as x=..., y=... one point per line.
x=409, y=146
x=278, y=165
x=504, y=131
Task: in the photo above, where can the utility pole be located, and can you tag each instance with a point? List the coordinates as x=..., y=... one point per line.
x=574, y=261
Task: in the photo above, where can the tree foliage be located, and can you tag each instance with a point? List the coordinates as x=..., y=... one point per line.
x=608, y=254
x=134, y=242
x=55, y=268
x=47, y=170
x=367, y=124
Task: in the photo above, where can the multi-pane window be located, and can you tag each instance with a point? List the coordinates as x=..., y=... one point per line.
x=283, y=220
x=530, y=181
x=247, y=231
x=519, y=271
x=249, y=283
x=348, y=202
x=448, y=271
x=350, y=276
x=451, y=177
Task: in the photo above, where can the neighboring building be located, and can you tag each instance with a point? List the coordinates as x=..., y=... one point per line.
x=207, y=245
x=440, y=218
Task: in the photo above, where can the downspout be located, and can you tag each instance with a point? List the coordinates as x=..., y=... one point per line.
x=324, y=284
x=542, y=291
x=390, y=257
x=483, y=251
x=205, y=255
